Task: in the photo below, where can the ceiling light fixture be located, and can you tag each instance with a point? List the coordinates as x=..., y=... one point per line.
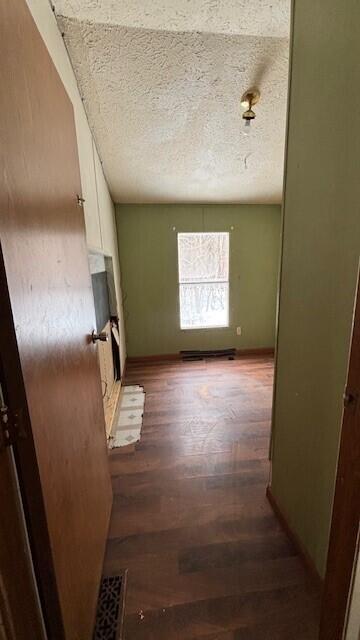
x=248, y=100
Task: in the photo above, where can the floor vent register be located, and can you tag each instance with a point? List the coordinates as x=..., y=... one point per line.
x=111, y=608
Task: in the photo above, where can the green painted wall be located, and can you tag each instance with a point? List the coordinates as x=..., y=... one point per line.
x=319, y=266
x=148, y=258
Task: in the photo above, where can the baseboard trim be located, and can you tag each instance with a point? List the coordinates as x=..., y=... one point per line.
x=294, y=538
x=256, y=351
x=166, y=357
x=162, y=357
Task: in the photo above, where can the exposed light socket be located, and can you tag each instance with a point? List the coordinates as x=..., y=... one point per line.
x=238, y=331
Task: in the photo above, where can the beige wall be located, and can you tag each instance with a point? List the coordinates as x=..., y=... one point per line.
x=98, y=208
x=321, y=243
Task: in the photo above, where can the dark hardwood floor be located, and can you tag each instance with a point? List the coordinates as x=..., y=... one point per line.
x=206, y=556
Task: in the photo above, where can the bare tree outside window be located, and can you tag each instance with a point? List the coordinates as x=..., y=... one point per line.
x=203, y=280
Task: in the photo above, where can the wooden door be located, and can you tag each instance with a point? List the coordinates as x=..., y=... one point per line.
x=50, y=362
x=346, y=509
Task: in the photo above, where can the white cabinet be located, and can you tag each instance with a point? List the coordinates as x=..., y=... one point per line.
x=109, y=242
x=106, y=209
x=88, y=181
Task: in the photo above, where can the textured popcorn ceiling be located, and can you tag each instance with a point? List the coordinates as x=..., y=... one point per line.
x=161, y=83
x=247, y=17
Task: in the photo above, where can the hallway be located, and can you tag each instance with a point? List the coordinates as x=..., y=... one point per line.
x=206, y=556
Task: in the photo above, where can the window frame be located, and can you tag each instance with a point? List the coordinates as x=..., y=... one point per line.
x=204, y=327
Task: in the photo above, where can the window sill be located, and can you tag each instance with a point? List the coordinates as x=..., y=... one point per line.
x=221, y=326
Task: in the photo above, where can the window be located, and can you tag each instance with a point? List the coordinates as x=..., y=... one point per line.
x=203, y=280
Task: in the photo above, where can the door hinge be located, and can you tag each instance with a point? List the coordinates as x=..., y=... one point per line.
x=10, y=427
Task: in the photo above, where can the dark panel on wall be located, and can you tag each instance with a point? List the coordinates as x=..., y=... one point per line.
x=101, y=299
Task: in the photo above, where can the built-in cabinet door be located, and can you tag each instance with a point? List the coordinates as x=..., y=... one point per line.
x=106, y=211
x=62, y=455
x=88, y=180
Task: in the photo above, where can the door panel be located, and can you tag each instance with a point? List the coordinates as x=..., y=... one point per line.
x=43, y=243
x=28, y=476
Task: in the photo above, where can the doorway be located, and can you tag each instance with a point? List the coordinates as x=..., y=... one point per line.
x=17, y=575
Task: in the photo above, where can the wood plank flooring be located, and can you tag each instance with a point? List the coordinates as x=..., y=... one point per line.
x=206, y=556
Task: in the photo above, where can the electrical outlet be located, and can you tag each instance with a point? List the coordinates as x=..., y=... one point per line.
x=238, y=331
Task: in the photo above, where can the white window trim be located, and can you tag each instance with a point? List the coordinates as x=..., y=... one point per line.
x=207, y=327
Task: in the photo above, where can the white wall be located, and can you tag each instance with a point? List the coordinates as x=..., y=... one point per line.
x=98, y=208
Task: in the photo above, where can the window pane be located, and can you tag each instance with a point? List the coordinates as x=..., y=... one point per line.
x=203, y=257
x=204, y=305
